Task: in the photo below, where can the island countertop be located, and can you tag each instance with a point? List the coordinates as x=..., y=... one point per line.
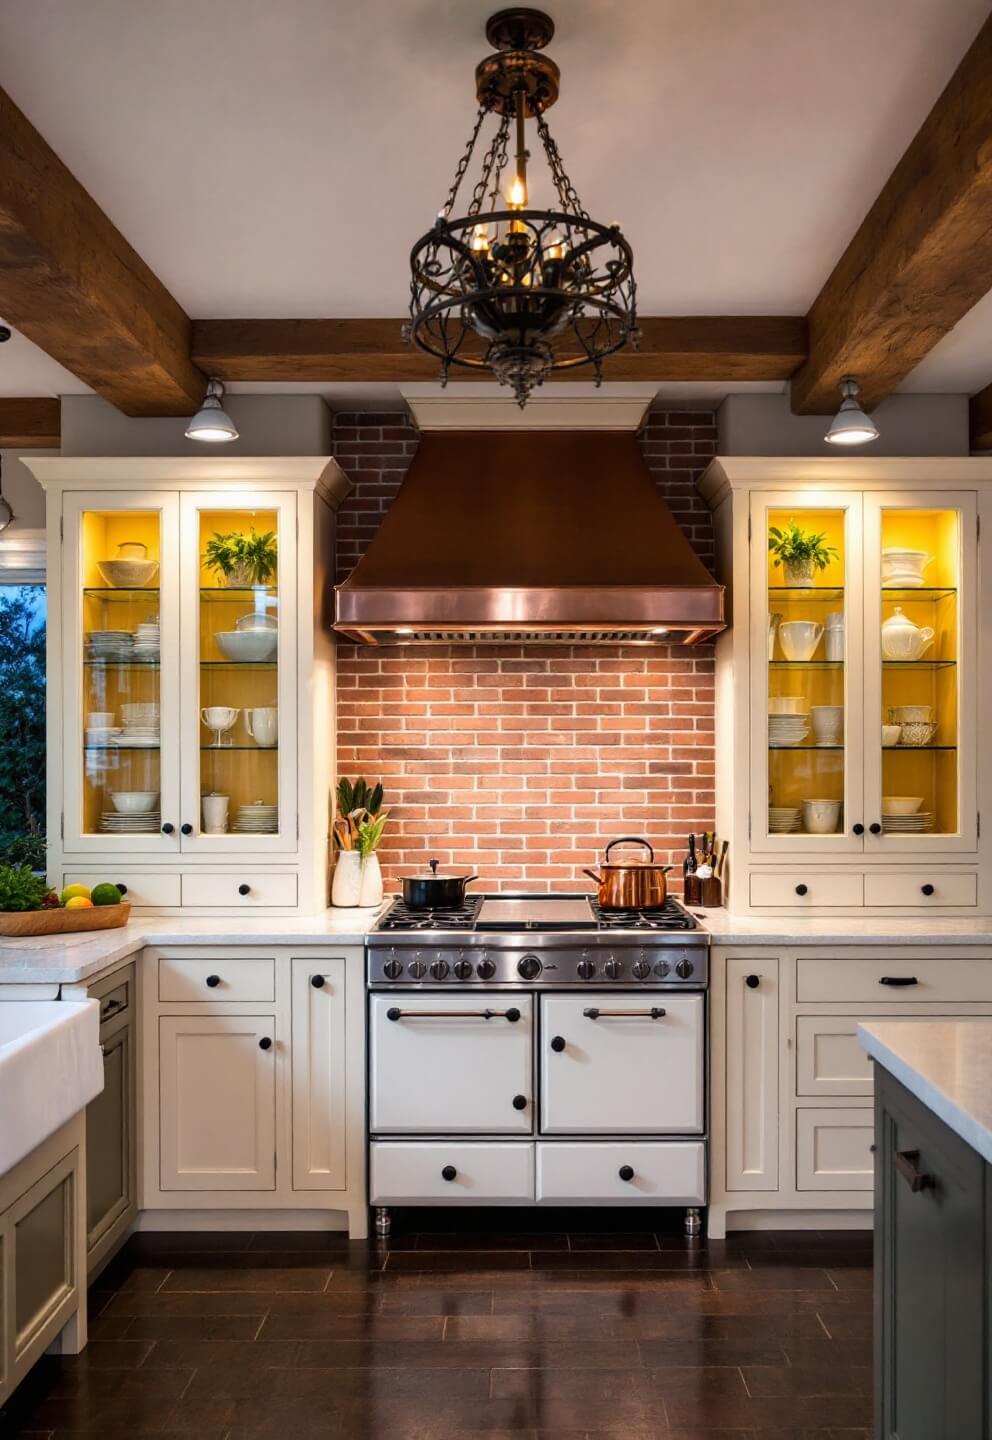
x=946, y=1064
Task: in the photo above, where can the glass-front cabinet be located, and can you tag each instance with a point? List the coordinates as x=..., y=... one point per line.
x=863, y=613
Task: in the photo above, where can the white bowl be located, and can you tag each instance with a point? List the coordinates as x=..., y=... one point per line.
x=248, y=645
x=256, y=620
x=127, y=574
x=890, y=734
x=786, y=705
x=911, y=714
x=820, y=816
x=903, y=569
x=134, y=802
x=901, y=804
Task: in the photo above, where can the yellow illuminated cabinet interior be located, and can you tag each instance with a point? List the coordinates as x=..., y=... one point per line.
x=852, y=685
x=190, y=684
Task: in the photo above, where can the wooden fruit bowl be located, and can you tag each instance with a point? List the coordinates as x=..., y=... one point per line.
x=20, y=923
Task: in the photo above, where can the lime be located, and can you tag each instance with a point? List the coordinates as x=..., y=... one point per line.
x=106, y=894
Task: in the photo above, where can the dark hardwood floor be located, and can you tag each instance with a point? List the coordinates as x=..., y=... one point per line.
x=482, y=1328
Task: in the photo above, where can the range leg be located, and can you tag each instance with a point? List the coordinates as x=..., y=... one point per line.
x=693, y=1222
x=383, y=1220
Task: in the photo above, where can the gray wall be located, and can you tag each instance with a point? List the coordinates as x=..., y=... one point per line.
x=908, y=425
x=22, y=492
x=269, y=425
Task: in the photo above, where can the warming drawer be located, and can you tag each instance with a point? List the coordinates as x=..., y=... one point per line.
x=421, y=1172
x=660, y=1173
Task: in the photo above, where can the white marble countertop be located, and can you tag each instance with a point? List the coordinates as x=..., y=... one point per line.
x=795, y=930
x=72, y=959
x=946, y=1064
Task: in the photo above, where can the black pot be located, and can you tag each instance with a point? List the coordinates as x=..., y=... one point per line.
x=434, y=891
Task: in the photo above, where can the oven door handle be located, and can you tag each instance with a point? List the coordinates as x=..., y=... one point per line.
x=395, y=1013
x=594, y=1013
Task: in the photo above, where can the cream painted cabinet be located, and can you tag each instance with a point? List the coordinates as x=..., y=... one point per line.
x=319, y=1073
x=188, y=694
x=751, y=998
x=851, y=697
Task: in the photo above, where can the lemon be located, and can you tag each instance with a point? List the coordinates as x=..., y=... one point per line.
x=72, y=892
x=79, y=902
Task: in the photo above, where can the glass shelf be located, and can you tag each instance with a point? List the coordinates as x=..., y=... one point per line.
x=792, y=593
x=824, y=748
x=239, y=664
x=246, y=592
x=805, y=664
x=918, y=664
x=143, y=592
x=232, y=749
x=886, y=749
x=125, y=664
x=931, y=592
x=126, y=749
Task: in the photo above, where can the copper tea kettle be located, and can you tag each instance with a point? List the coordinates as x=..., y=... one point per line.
x=630, y=884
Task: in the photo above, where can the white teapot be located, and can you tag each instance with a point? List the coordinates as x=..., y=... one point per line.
x=904, y=640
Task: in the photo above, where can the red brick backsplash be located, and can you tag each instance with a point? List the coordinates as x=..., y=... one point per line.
x=521, y=762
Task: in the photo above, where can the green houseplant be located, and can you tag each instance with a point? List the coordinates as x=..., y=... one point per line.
x=358, y=830
x=799, y=552
x=243, y=560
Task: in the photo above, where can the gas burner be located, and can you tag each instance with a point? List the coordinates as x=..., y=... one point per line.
x=460, y=917
x=670, y=916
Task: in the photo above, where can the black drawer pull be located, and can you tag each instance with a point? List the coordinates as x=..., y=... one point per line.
x=111, y=1007
x=875, y=828
x=395, y=1013
x=265, y=1043
x=594, y=1013
x=915, y=1178
x=186, y=829
x=317, y=981
x=898, y=980
x=752, y=981
x=802, y=889
x=213, y=981
x=244, y=889
x=926, y=889
x=122, y=889
x=448, y=1172
x=557, y=1043
x=167, y=829
x=520, y=1102
x=626, y=1172
x=858, y=829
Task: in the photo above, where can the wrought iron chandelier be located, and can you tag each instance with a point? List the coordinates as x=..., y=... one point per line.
x=518, y=291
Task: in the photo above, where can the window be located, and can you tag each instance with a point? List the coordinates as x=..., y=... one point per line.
x=22, y=724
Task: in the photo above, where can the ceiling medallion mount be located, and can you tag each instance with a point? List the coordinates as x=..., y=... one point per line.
x=519, y=291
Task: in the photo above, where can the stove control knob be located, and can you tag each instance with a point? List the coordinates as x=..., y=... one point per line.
x=463, y=969
x=418, y=969
x=641, y=970
x=661, y=969
x=393, y=969
x=586, y=969
x=613, y=968
x=486, y=968
x=439, y=969
x=684, y=969
x=529, y=967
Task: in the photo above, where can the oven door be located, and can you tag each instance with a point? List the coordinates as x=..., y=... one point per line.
x=439, y=1066
x=611, y=1066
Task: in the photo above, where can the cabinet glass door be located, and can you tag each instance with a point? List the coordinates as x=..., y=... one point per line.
x=239, y=668
x=121, y=711
x=806, y=702
x=920, y=612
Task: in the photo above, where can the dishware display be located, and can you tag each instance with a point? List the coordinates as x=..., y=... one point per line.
x=785, y=731
x=890, y=735
x=833, y=644
x=257, y=818
x=113, y=823
x=828, y=724
x=134, y=802
x=256, y=620
x=820, y=817
x=910, y=714
x=220, y=719
x=102, y=735
x=902, y=639
x=109, y=644
x=248, y=646
x=783, y=819
x=131, y=570
x=900, y=805
x=140, y=730
x=917, y=733
x=262, y=724
x=903, y=569
x=99, y=719
x=147, y=641
x=215, y=814
x=774, y=621
x=799, y=638
x=917, y=824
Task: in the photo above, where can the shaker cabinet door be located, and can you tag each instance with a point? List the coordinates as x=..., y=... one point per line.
x=319, y=1073
x=752, y=1101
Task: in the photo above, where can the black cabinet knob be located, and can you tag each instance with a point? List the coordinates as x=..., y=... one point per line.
x=448, y=1172
x=513, y=1015
x=186, y=829
x=317, y=981
x=122, y=889
x=926, y=889
x=875, y=828
x=858, y=829
x=626, y=1172
x=393, y=1013
x=520, y=1102
x=558, y=1043
x=213, y=981
x=167, y=829
x=802, y=889
x=244, y=889
x=752, y=981
x=265, y=1043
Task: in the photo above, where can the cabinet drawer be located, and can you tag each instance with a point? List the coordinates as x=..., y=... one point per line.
x=833, y=1149
x=943, y=887
x=415, y=1174
x=188, y=980
x=829, y=1060
x=893, y=981
x=785, y=887
x=665, y=1173
x=202, y=888
x=144, y=887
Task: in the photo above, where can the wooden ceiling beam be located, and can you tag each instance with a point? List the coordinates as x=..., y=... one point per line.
x=70, y=282
x=736, y=347
x=33, y=423
x=921, y=258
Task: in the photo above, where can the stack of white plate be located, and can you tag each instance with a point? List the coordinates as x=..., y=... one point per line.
x=147, y=642
x=787, y=730
x=783, y=819
x=257, y=819
x=110, y=644
x=144, y=824
x=141, y=726
x=916, y=824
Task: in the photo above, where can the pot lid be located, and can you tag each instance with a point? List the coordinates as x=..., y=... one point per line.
x=435, y=874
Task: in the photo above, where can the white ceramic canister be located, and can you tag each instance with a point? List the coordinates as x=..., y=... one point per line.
x=356, y=883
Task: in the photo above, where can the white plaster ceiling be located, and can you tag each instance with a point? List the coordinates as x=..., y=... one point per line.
x=279, y=159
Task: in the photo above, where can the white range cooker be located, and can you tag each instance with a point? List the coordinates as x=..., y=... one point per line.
x=534, y=1049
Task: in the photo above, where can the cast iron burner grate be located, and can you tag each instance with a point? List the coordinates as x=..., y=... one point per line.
x=670, y=916
x=458, y=917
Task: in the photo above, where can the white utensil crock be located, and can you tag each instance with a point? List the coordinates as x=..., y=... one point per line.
x=355, y=882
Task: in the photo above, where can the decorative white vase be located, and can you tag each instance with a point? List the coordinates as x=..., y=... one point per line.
x=356, y=883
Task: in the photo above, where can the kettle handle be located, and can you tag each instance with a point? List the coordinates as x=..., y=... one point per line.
x=629, y=840
x=593, y=876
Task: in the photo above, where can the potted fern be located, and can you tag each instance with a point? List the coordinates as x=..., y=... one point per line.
x=799, y=552
x=358, y=830
x=243, y=561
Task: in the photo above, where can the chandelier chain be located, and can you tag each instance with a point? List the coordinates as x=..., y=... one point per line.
x=489, y=165
x=463, y=164
x=503, y=136
x=567, y=194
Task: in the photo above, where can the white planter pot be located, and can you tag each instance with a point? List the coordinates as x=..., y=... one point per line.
x=356, y=883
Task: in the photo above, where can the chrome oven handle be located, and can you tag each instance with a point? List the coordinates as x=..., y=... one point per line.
x=594, y=1013
x=395, y=1013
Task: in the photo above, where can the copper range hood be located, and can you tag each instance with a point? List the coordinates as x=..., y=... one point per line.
x=540, y=536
